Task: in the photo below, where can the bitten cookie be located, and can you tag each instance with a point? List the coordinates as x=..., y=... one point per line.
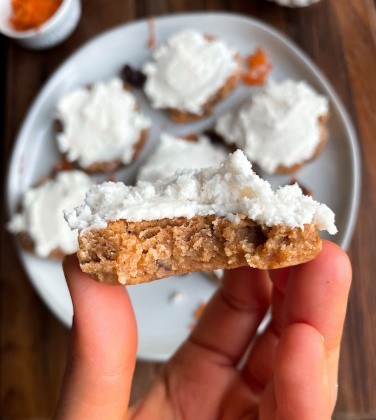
x=100, y=127
x=198, y=220
x=40, y=225
x=280, y=127
x=175, y=154
x=190, y=73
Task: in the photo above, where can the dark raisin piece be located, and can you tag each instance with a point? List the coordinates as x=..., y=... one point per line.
x=214, y=137
x=58, y=126
x=133, y=76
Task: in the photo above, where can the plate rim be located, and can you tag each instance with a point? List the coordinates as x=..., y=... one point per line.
x=27, y=120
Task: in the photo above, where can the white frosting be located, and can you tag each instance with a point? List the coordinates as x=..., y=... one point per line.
x=295, y=3
x=100, y=124
x=228, y=190
x=187, y=71
x=277, y=125
x=174, y=154
x=42, y=217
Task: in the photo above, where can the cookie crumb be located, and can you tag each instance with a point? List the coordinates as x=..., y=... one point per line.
x=176, y=297
x=199, y=310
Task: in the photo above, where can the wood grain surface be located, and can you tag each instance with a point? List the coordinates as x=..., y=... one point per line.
x=339, y=35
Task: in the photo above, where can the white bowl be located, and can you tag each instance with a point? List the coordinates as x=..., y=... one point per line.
x=295, y=3
x=52, y=32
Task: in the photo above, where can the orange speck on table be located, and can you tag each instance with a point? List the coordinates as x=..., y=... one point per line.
x=258, y=69
x=30, y=14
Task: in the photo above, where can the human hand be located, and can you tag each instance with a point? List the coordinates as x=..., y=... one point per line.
x=290, y=372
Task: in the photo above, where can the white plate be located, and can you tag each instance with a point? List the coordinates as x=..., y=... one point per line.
x=334, y=176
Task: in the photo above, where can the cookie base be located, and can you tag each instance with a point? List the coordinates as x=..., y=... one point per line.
x=137, y=252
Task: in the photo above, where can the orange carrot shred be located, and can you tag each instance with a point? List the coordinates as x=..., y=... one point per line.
x=30, y=14
x=258, y=70
x=191, y=137
x=199, y=310
x=151, y=41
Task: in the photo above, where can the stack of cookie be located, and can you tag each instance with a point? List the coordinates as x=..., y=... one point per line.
x=195, y=207
x=98, y=129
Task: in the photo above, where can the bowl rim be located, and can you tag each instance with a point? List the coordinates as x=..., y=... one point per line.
x=29, y=33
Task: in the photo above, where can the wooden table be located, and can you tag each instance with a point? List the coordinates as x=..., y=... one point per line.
x=339, y=36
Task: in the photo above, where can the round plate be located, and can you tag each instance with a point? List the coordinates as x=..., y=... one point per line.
x=334, y=177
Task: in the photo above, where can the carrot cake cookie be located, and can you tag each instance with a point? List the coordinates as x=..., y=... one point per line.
x=279, y=127
x=175, y=154
x=40, y=224
x=101, y=127
x=190, y=73
x=197, y=220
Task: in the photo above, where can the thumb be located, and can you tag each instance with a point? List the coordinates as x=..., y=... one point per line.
x=102, y=355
